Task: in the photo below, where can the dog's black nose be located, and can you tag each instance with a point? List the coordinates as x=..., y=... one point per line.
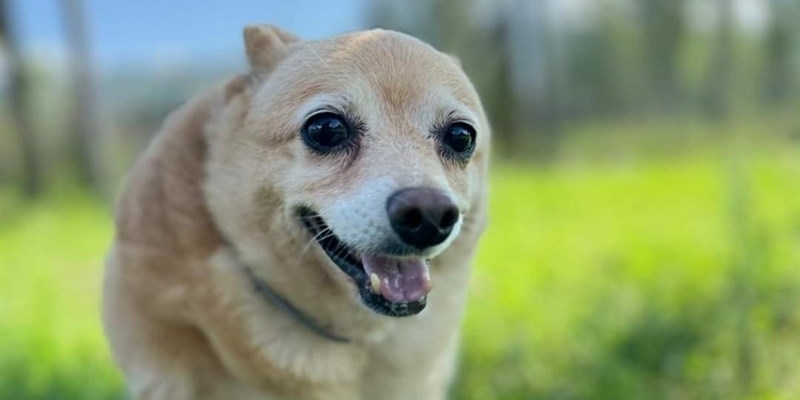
x=422, y=217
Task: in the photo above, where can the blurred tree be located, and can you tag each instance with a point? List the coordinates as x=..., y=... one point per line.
x=534, y=76
x=595, y=68
x=778, y=77
x=82, y=125
x=19, y=91
x=494, y=82
x=717, y=98
x=663, y=30
x=537, y=63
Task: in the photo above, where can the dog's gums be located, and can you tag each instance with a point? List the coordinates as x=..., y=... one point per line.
x=391, y=286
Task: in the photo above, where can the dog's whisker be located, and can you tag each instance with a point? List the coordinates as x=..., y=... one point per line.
x=340, y=250
x=321, y=235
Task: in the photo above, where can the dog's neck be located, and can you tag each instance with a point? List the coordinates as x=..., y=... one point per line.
x=290, y=310
x=286, y=307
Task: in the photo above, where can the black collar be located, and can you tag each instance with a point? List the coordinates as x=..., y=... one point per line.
x=280, y=302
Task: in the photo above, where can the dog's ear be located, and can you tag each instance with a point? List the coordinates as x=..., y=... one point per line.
x=266, y=46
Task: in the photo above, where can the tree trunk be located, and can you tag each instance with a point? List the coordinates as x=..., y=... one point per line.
x=82, y=125
x=533, y=70
x=779, y=44
x=718, y=85
x=18, y=91
x=663, y=28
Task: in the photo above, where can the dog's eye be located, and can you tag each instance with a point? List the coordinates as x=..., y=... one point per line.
x=460, y=138
x=325, y=132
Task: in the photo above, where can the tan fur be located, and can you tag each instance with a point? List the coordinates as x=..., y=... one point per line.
x=225, y=171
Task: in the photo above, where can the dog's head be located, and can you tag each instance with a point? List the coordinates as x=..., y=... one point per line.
x=363, y=154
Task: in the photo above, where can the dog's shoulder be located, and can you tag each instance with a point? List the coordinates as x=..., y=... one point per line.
x=162, y=207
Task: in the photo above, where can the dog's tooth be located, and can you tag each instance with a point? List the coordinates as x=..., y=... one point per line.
x=375, y=283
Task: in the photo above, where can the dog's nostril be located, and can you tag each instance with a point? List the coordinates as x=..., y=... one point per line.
x=413, y=218
x=448, y=219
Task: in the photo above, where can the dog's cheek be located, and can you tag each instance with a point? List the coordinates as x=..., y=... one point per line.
x=460, y=185
x=314, y=181
x=267, y=205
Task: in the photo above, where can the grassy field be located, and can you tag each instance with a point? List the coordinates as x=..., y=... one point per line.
x=669, y=277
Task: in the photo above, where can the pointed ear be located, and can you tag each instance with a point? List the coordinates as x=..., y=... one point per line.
x=266, y=46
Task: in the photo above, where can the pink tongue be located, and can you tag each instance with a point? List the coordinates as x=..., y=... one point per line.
x=402, y=280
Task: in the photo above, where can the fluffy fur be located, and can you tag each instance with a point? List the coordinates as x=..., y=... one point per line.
x=217, y=189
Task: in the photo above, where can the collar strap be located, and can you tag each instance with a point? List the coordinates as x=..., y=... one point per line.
x=281, y=303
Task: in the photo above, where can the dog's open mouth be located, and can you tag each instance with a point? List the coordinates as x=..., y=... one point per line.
x=392, y=286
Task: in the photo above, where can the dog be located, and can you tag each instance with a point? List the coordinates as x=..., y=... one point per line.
x=304, y=230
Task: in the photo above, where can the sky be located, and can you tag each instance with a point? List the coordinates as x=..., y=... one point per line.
x=132, y=32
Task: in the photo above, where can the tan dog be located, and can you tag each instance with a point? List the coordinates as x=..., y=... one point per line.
x=304, y=231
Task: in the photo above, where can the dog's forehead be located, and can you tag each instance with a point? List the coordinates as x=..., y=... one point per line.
x=398, y=68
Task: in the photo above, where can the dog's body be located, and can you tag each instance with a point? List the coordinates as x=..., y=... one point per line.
x=210, y=214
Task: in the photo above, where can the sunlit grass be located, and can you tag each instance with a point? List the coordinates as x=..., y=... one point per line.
x=50, y=269
x=663, y=280
x=676, y=279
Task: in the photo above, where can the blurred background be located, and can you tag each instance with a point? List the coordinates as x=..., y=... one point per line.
x=645, y=223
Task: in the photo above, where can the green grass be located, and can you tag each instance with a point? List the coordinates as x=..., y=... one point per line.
x=677, y=281
x=51, y=341
x=655, y=278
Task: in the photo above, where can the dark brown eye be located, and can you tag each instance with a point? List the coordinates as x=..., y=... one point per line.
x=460, y=139
x=325, y=132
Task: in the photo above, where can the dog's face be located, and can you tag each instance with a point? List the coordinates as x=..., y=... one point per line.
x=370, y=148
